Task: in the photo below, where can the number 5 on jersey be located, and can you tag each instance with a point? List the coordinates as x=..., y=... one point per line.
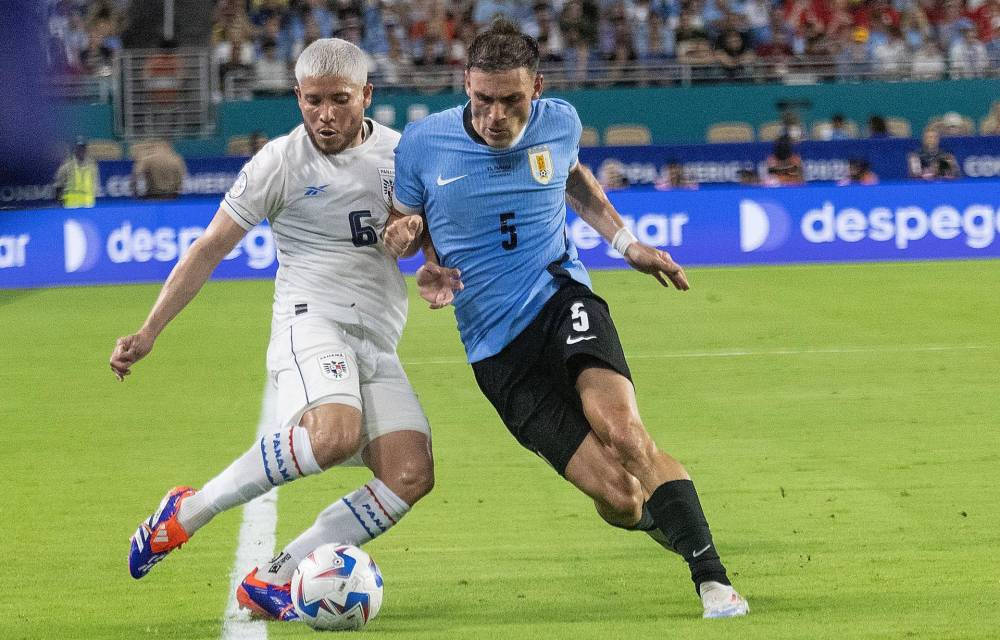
x=581, y=322
x=508, y=230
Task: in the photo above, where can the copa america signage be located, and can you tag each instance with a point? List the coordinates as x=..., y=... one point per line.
x=141, y=242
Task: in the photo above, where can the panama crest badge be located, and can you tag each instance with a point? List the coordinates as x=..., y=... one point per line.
x=388, y=177
x=540, y=159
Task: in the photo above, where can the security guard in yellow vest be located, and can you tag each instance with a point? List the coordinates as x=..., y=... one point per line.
x=77, y=178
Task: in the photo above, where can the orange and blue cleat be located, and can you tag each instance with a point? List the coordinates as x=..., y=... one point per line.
x=264, y=600
x=159, y=535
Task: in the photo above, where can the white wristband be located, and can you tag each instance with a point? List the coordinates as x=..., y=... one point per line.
x=622, y=240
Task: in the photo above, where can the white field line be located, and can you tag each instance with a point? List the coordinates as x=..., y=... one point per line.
x=256, y=543
x=744, y=353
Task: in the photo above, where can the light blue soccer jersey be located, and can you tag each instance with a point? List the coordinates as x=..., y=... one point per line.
x=498, y=215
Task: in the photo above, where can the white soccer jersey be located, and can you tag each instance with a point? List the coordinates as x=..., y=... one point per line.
x=327, y=213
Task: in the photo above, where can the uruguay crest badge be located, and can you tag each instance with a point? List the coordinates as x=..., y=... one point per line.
x=540, y=159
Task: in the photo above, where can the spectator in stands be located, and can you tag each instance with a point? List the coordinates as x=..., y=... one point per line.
x=545, y=30
x=105, y=21
x=777, y=54
x=578, y=23
x=877, y=127
x=930, y=162
x=77, y=179
x=818, y=49
x=838, y=128
x=853, y=58
x=159, y=173
x=693, y=46
x=96, y=59
x=757, y=16
x=952, y=124
x=891, y=55
x=915, y=27
x=76, y=40
x=672, y=177
x=621, y=41
x=784, y=166
x=270, y=72
x=967, y=56
x=991, y=125
x=486, y=10
x=311, y=32
x=256, y=141
x=733, y=53
x=791, y=125
x=949, y=24
x=928, y=62
x=235, y=53
x=611, y=175
x=748, y=177
x=858, y=172
x=987, y=19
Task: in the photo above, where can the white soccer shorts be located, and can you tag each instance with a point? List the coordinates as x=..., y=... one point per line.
x=318, y=361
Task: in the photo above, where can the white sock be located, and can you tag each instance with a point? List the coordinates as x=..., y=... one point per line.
x=272, y=461
x=355, y=519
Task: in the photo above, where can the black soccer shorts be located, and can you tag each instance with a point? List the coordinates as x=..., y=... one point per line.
x=532, y=382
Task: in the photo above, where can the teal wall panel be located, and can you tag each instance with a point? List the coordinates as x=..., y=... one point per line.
x=675, y=115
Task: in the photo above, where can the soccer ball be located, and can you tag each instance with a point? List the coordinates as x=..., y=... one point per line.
x=337, y=587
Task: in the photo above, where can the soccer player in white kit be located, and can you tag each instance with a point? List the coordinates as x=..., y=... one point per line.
x=339, y=309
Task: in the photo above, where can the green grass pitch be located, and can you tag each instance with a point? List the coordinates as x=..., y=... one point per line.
x=841, y=423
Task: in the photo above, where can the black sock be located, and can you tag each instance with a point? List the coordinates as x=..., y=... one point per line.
x=646, y=522
x=677, y=512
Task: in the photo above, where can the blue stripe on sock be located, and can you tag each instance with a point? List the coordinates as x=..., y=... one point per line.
x=356, y=515
x=278, y=458
x=267, y=469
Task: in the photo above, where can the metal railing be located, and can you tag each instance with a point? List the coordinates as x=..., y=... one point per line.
x=242, y=85
x=166, y=93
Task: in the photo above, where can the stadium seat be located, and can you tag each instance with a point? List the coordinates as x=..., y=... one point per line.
x=820, y=130
x=898, y=127
x=238, y=146
x=627, y=135
x=769, y=131
x=989, y=126
x=140, y=148
x=103, y=149
x=952, y=124
x=589, y=137
x=730, y=132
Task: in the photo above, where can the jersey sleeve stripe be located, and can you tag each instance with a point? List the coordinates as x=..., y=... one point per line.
x=405, y=208
x=237, y=217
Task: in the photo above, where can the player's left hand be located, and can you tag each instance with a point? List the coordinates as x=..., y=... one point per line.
x=401, y=235
x=438, y=284
x=657, y=263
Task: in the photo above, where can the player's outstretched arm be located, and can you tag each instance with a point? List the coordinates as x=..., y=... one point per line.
x=181, y=286
x=588, y=199
x=437, y=284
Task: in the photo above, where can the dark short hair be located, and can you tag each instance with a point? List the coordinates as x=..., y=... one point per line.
x=503, y=47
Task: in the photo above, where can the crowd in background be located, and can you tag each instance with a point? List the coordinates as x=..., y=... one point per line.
x=927, y=39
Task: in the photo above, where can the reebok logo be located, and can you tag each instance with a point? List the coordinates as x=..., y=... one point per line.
x=443, y=181
x=315, y=191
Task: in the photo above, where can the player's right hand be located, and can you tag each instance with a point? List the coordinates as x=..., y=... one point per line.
x=402, y=235
x=128, y=351
x=438, y=284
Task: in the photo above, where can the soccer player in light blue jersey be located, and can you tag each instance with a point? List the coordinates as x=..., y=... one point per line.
x=491, y=180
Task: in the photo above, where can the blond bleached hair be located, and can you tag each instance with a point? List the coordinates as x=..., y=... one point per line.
x=332, y=57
